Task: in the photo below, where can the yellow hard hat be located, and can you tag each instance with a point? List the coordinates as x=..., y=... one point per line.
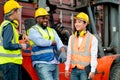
x=10, y=5
x=83, y=16
x=41, y=12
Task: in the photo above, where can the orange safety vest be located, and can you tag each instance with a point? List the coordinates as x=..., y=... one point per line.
x=81, y=56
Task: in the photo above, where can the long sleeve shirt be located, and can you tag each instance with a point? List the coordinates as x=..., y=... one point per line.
x=38, y=39
x=94, y=50
x=7, y=35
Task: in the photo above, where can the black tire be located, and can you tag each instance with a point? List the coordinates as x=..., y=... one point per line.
x=115, y=72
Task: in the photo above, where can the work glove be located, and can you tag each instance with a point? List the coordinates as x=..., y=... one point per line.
x=63, y=56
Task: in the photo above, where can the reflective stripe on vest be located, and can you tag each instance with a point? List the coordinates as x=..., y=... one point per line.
x=48, y=36
x=43, y=53
x=9, y=56
x=80, y=56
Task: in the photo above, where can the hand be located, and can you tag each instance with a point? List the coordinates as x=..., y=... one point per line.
x=25, y=37
x=91, y=75
x=24, y=46
x=63, y=56
x=67, y=74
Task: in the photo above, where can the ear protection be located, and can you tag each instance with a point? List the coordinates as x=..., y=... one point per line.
x=82, y=33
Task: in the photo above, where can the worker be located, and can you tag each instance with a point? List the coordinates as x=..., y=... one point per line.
x=82, y=50
x=10, y=48
x=46, y=43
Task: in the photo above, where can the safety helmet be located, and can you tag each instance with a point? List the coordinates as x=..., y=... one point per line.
x=41, y=12
x=10, y=5
x=82, y=16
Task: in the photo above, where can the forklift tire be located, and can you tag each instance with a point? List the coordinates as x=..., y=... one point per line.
x=115, y=72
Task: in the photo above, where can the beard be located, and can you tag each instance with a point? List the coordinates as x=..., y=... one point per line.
x=44, y=25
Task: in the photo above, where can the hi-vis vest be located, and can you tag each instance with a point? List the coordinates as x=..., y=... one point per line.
x=81, y=56
x=30, y=42
x=40, y=53
x=10, y=56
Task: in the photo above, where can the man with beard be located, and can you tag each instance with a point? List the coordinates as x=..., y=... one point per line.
x=46, y=42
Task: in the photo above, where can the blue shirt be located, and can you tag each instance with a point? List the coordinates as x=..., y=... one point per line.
x=38, y=40
x=7, y=35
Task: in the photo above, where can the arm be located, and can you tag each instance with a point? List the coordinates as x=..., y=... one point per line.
x=67, y=63
x=37, y=38
x=7, y=35
x=94, y=50
x=60, y=45
x=63, y=55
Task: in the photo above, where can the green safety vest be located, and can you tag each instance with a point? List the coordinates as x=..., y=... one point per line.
x=48, y=36
x=43, y=33
x=43, y=53
x=30, y=42
x=10, y=56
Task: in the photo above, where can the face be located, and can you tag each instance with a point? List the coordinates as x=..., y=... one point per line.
x=17, y=15
x=80, y=25
x=43, y=21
